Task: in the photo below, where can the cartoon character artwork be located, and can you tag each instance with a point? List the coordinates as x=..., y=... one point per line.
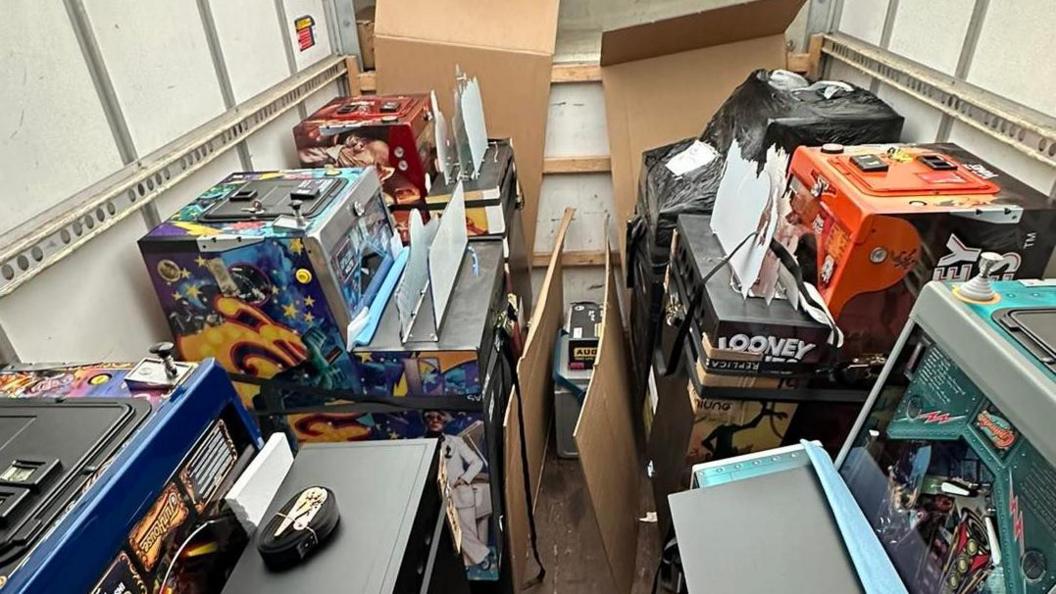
x=403, y=373
x=392, y=134
x=727, y=428
x=466, y=477
x=73, y=381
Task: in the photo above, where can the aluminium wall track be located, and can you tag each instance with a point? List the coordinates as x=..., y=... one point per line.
x=60, y=231
x=1028, y=131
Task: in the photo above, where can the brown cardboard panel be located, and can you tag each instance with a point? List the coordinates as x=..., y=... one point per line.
x=515, y=88
x=523, y=25
x=657, y=101
x=605, y=439
x=728, y=24
x=517, y=531
x=534, y=367
x=533, y=371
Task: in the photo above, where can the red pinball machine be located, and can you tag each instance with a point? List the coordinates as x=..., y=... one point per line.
x=392, y=133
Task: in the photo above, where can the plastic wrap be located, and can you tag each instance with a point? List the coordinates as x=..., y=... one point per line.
x=770, y=108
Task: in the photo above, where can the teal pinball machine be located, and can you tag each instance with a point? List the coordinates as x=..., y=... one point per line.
x=955, y=463
x=947, y=484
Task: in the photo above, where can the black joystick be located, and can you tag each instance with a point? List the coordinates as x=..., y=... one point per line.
x=164, y=351
x=296, y=206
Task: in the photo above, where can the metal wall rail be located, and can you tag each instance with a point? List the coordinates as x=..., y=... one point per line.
x=1028, y=131
x=58, y=232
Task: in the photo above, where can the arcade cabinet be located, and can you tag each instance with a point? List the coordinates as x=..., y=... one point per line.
x=945, y=485
x=113, y=477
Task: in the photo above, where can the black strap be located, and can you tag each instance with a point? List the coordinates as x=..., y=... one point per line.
x=635, y=232
x=275, y=395
x=507, y=352
x=789, y=262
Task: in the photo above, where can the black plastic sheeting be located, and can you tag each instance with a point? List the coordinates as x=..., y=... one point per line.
x=770, y=108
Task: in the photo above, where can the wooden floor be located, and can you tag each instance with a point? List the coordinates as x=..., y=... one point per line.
x=569, y=543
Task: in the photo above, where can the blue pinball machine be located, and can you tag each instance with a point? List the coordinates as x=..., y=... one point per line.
x=947, y=484
x=113, y=476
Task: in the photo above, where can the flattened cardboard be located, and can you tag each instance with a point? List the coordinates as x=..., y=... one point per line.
x=605, y=439
x=664, y=80
x=533, y=370
x=736, y=22
x=534, y=367
x=517, y=532
x=510, y=50
x=518, y=25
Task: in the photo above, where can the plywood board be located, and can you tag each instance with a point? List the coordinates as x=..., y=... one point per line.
x=534, y=367
x=517, y=531
x=533, y=370
x=605, y=439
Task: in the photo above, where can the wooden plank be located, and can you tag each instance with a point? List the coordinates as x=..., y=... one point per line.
x=814, y=56
x=536, y=397
x=798, y=63
x=578, y=259
x=575, y=72
x=368, y=82
x=605, y=438
x=563, y=165
x=354, y=81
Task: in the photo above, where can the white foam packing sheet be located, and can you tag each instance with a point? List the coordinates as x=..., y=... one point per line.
x=445, y=255
x=252, y=493
x=412, y=286
x=473, y=118
x=443, y=157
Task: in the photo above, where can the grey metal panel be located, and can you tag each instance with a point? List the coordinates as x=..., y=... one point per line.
x=469, y=313
x=326, y=233
x=378, y=486
x=772, y=533
x=1022, y=391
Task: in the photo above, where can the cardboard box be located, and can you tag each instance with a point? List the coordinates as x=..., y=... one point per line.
x=510, y=50
x=365, y=32
x=664, y=80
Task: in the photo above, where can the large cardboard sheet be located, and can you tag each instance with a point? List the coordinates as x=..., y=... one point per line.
x=534, y=367
x=534, y=372
x=657, y=101
x=517, y=531
x=605, y=439
x=664, y=79
x=418, y=44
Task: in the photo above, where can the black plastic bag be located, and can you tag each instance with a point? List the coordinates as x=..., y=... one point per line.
x=770, y=108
